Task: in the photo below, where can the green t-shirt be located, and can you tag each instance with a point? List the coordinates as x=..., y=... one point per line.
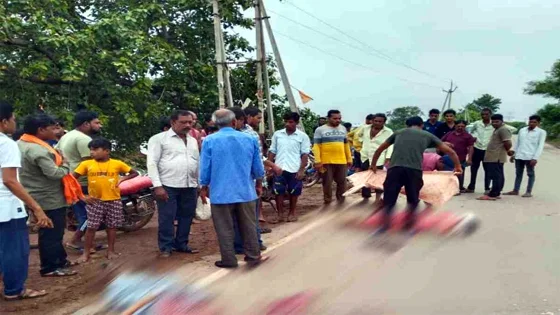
x=75, y=147
x=409, y=145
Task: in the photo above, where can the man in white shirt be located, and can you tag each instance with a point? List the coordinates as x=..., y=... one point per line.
x=528, y=149
x=14, y=236
x=173, y=158
x=289, y=150
x=373, y=136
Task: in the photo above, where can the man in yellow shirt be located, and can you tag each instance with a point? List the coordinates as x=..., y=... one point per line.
x=355, y=138
x=332, y=155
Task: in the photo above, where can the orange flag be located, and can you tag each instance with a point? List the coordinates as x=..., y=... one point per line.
x=304, y=97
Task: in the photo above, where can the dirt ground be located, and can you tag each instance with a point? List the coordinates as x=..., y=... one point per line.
x=138, y=249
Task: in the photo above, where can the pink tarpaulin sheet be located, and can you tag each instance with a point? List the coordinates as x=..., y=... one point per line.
x=439, y=187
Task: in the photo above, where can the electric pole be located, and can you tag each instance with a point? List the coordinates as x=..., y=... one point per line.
x=227, y=82
x=259, y=31
x=282, y=70
x=449, y=96
x=219, y=55
x=269, y=110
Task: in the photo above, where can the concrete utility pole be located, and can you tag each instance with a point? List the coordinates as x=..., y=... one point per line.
x=269, y=110
x=219, y=59
x=260, y=44
x=225, y=68
x=275, y=50
x=449, y=96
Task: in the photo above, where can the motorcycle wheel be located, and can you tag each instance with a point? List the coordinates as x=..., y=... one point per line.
x=138, y=214
x=311, y=179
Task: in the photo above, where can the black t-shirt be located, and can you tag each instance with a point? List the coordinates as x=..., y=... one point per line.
x=443, y=129
x=409, y=145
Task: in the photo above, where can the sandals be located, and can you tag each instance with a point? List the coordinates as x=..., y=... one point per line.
x=60, y=273
x=486, y=198
x=292, y=218
x=25, y=294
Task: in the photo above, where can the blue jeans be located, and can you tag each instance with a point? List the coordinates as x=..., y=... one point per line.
x=80, y=212
x=14, y=255
x=181, y=206
x=238, y=241
x=520, y=166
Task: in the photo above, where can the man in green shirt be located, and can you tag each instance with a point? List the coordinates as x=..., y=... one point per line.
x=405, y=168
x=499, y=147
x=75, y=149
x=42, y=178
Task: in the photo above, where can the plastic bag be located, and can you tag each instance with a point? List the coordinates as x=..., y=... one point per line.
x=203, y=211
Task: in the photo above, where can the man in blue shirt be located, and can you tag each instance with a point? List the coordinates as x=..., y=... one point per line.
x=433, y=122
x=231, y=170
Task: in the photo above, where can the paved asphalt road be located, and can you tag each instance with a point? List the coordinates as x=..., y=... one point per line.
x=510, y=266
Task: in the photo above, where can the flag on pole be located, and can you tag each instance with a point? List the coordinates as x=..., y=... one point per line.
x=304, y=97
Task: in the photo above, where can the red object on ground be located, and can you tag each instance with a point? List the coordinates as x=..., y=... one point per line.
x=134, y=185
x=292, y=305
x=440, y=222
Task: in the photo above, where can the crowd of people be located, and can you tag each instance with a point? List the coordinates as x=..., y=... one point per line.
x=225, y=164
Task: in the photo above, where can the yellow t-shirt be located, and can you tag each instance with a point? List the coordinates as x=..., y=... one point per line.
x=103, y=178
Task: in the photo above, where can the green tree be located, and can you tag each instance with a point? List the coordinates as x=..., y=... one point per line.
x=550, y=115
x=485, y=101
x=131, y=61
x=398, y=116
x=549, y=87
x=470, y=113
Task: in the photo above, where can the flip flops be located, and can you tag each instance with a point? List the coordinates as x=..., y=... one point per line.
x=58, y=273
x=25, y=294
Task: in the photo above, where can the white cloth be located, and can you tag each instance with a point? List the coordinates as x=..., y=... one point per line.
x=289, y=149
x=370, y=145
x=529, y=144
x=171, y=162
x=11, y=207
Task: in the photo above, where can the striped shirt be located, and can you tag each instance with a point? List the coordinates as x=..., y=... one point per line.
x=331, y=145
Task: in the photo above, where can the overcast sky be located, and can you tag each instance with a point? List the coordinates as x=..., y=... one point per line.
x=486, y=46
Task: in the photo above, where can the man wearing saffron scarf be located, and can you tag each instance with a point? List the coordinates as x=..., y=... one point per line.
x=42, y=177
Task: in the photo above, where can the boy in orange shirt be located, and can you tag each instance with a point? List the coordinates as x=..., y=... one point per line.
x=104, y=199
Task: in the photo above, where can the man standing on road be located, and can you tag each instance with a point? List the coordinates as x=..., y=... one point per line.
x=194, y=132
x=499, y=147
x=356, y=136
x=448, y=125
x=14, y=235
x=462, y=143
x=332, y=155
x=290, y=151
x=173, y=168
x=406, y=168
x=373, y=137
x=482, y=130
x=43, y=177
x=433, y=122
x=75, y=148
x=528, y=149
x=232, y=172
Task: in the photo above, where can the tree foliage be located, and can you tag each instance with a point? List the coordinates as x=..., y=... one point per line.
x=485, y=101
x=550, y=115
x=398, y=116
x=550, y=86
x=132, y=61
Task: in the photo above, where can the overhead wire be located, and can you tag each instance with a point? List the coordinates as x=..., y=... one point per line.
x=350, y=61
x=378, y=52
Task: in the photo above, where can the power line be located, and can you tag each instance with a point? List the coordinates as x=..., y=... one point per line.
x=350, y=61
x=379, y=52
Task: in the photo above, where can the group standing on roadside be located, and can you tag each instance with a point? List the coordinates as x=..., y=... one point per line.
x=49, y=170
